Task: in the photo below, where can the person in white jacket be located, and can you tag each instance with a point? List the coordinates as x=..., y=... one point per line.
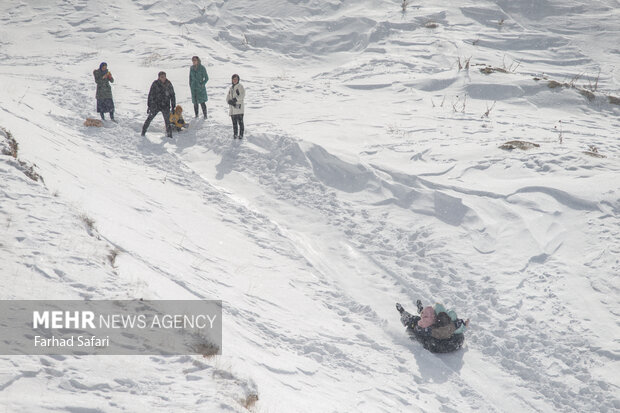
x=235, y=97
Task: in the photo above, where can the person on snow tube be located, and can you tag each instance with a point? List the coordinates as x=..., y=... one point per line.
x=438, y=331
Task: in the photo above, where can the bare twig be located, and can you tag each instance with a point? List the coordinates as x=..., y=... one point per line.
x=489, y=109
x=512, y=67
x=594, y=87
x=574, y=80
x=560, y=136
x=464, y=64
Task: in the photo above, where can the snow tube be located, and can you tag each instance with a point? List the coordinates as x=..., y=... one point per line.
x=437, y=345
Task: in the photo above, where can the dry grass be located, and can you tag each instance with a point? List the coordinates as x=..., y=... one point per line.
x=11, y=150
x=593, y=151
x=13, y=145
x=589, y=90
x=249, y=401
x=553, y=84
x=29, y=171
x=523, y=145
x=593, y=86
x=88, y=222
x=561, y=133
x=587, y=93
x=506, y=68
x=489, y=109
x=207, y=349
x=112, y=256
x=487, y=70
x=464, y=64
x=455, y=105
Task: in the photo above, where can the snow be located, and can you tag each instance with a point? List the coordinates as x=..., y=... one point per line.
x=370, y=174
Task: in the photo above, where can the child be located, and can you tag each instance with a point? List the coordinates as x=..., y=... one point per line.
x=176, y=119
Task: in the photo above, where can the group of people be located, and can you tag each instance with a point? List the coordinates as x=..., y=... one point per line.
x=162, y=98
x=436, y=328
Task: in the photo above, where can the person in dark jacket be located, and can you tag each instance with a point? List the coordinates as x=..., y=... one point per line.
x=161, y=99
x=103, y=78
x=198, y=78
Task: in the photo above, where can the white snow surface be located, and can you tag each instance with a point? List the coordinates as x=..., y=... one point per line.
x=369, y=175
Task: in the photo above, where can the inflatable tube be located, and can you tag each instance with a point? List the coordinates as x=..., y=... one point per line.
x=437, y=345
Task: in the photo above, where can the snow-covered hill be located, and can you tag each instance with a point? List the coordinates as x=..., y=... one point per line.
x=371, y=173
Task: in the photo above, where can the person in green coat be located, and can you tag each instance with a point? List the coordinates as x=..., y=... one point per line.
x=198, y=78
x=103, y=78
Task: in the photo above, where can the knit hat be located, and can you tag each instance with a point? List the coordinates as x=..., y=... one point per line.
x=428, y=317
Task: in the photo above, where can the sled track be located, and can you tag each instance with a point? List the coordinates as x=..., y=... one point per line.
x=421, y=266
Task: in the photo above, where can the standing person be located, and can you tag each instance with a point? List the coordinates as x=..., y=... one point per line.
x=161, y=99
x=235, y=97
x=103, y=78
x=198, y=79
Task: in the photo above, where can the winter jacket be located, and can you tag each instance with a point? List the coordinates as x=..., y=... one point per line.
x=198, y=78
x=459, y=324
x=428, y=317
x=161, y=96
x=177, y=120
x=104, y=90
x=236, y=93
x=444, y=326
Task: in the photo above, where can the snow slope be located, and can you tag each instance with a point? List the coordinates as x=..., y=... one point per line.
x=371, y=174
